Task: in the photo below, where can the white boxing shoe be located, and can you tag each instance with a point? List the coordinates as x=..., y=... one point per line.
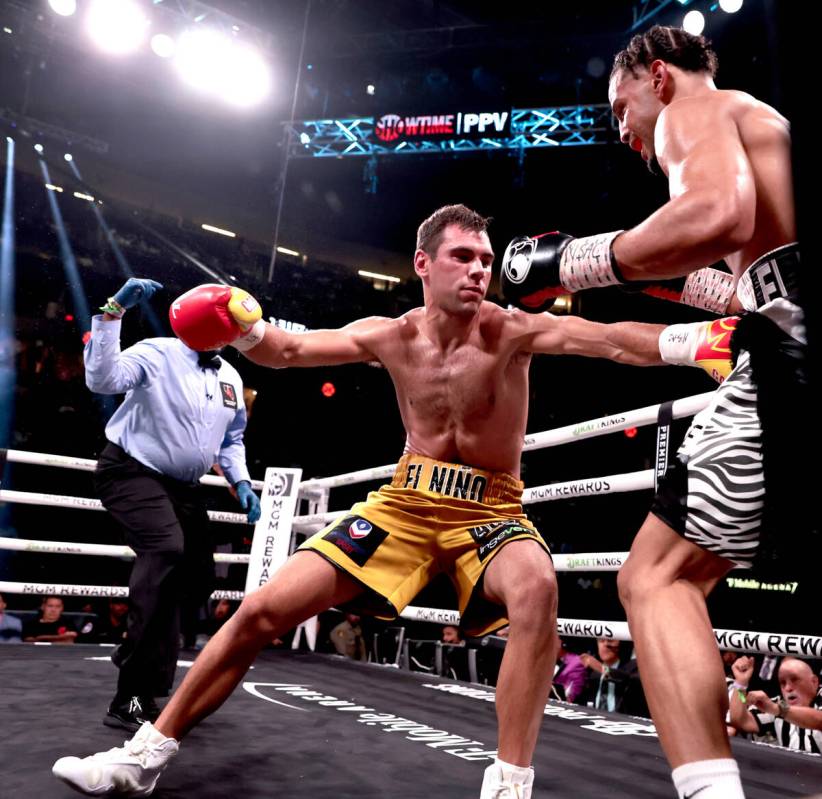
x=500, y=782
x=129, y=770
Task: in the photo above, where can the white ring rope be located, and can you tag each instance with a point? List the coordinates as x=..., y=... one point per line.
x=735, y=640
x=631, y=481
x=809, y=646
x=586, y=487
x=88, y=503
x=588, y=561
x=69, y=589
x=687, y=406
x=105, y=550
x=86, y=465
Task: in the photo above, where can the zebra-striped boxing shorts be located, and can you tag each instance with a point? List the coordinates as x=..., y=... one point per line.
x=714, y=492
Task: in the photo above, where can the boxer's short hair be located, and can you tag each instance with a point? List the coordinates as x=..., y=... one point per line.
x=672, y=45
x=429, y=233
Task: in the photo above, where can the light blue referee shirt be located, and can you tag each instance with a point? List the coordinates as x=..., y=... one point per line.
x=177, y=418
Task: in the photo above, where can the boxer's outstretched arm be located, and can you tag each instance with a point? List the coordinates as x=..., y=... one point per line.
x=626, y=342
x=350, y=344
x=712, y=208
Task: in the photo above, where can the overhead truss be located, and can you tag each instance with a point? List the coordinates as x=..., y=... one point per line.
x=562, y=126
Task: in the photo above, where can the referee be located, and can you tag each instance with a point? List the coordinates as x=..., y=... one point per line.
x=793, y=720
x=183, y=411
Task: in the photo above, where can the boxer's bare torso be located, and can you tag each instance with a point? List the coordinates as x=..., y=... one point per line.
x=765, y=138
x=727, y=157
x=465, y=402
x=460, y=364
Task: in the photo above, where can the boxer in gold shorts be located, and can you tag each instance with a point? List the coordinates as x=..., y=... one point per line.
x=434, y=517
x=460, y=368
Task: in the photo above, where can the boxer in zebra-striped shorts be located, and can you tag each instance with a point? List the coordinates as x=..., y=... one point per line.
x=714, y=493
x=727, y=157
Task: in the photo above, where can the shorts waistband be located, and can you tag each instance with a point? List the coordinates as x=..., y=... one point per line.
x=420, y=473
x=775, y=274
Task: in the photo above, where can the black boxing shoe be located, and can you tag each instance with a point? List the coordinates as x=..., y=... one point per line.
x=130, y=713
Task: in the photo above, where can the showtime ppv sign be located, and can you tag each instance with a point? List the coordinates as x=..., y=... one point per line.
x=392, y=127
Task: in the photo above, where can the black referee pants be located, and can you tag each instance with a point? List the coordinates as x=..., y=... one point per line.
x=166, y=523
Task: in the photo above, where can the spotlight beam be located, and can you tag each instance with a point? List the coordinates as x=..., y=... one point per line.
x=183, y=254
x=75, y=282
x=7, y=338
x=119, y=257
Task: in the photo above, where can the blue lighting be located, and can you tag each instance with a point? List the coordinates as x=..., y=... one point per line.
x=7, y=338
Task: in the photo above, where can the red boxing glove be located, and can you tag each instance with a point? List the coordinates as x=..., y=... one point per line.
x=211, y=316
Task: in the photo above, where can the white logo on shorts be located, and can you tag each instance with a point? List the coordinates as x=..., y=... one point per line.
x=359, y=529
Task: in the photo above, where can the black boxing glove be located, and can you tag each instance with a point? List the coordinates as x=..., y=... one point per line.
x=538, y=269
x=708, y=288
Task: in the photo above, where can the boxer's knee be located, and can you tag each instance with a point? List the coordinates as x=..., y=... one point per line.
x=531, y=603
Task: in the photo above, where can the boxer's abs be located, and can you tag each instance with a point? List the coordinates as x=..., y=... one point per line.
x=470, y=412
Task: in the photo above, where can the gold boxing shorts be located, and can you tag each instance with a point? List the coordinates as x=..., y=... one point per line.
x=434, y=517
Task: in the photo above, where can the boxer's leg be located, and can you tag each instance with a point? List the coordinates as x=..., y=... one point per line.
x=521, y=578
x=305, y=585
x=663, y=586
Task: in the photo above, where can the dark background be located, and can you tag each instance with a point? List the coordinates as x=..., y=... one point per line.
x=174, y=159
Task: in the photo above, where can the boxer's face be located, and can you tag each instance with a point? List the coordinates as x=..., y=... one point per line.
x=797, y=682
x=457, y=277
x=636, y=105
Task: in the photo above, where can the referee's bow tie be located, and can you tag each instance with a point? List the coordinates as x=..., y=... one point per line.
x=208, y=360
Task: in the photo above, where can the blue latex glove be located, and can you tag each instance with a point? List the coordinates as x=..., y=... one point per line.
x=248, y=500
x=134, y=290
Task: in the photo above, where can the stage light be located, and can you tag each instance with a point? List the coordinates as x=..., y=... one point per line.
x=68, y=157
x=38, y=148
x=163, y=45
x=631, y=432
x=305, y=138
x=286, y=251
x=200, y=57
x=328, y=389
x=213, y=63
x=378, y=276
x=248, y=79
x=370, y=89
x=116, y=26
x=69, y=317
x=693, y=23
x=52, y=187
x=730, y=6
x=221, y=231
x=65, y=8
x=80, y=196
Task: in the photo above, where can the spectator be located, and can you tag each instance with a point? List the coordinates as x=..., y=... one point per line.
x=613, y=682
x=454, y=654
x=50, y=626
x=108, y=627
x=793, y=719
x=570, y=675
x=11, y=628
x=348, y=639
x=451, y=635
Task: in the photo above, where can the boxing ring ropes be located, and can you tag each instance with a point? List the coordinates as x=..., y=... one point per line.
x=315, y=492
